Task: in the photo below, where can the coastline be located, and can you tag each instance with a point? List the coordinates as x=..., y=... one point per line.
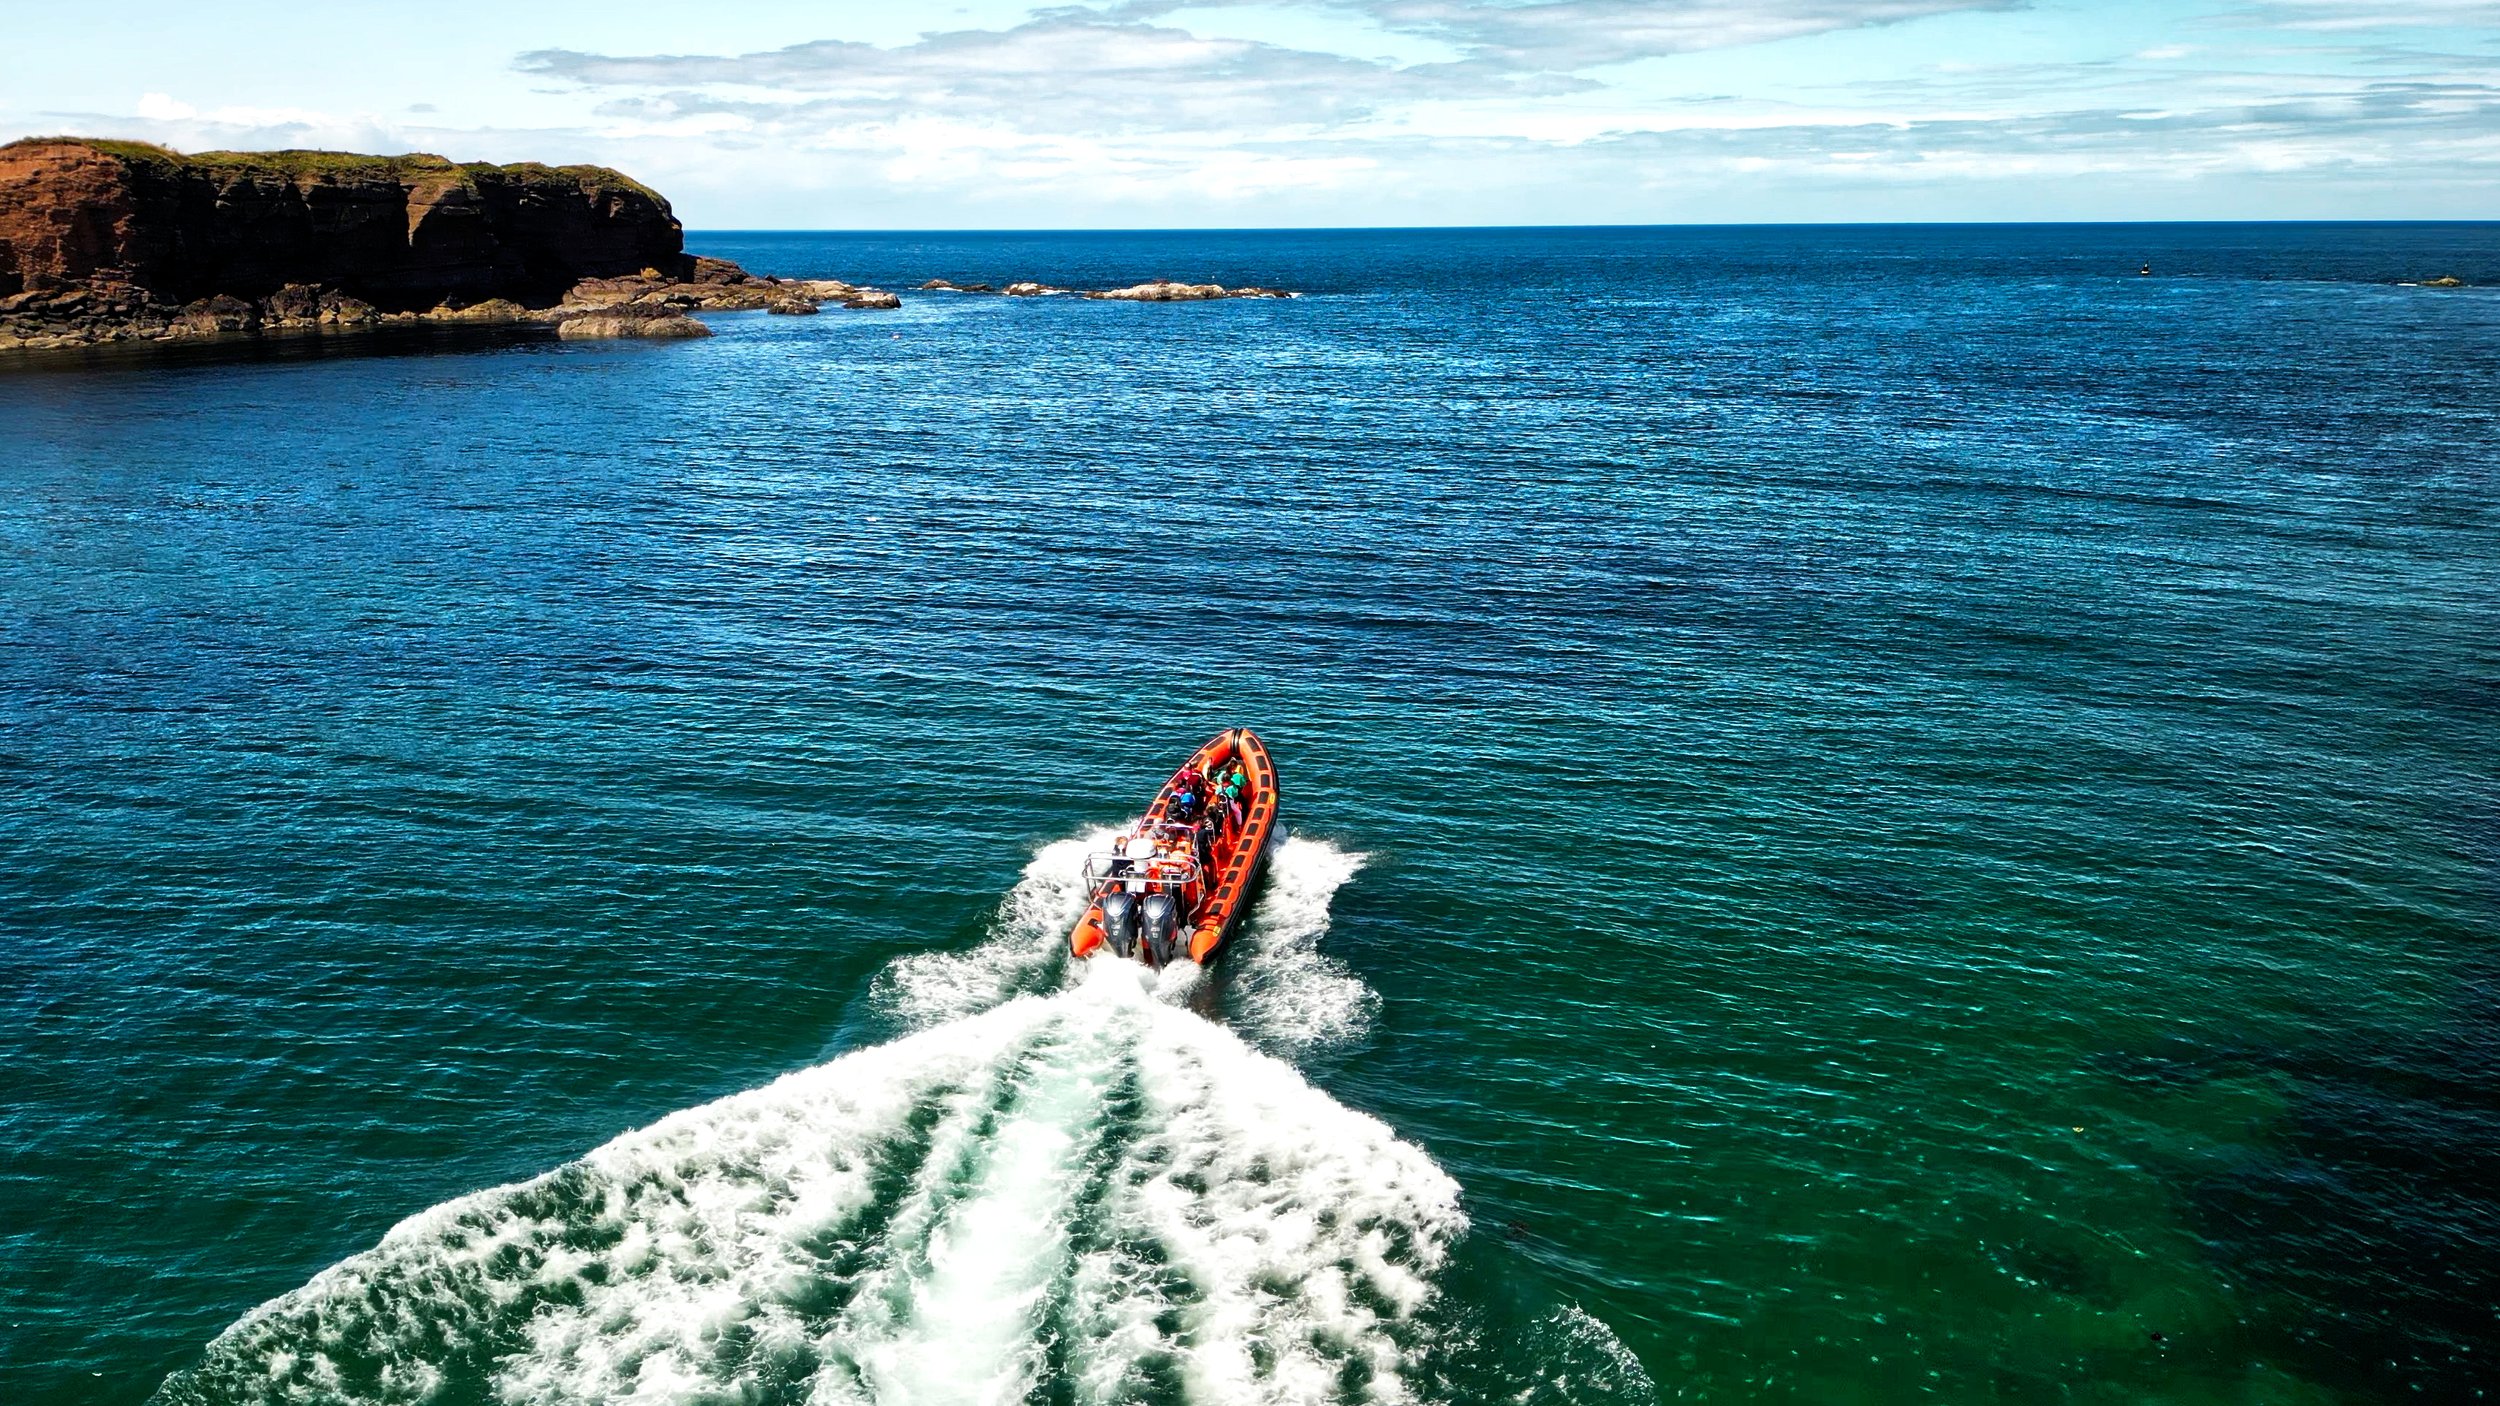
x=105, y=242
x=647, y=306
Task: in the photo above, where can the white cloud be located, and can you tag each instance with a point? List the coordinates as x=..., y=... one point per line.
x=1057, y=73
x=1575, y=35
x=1074, y=69
x=2377, y=14
x=1518, y=110
x=307, y=126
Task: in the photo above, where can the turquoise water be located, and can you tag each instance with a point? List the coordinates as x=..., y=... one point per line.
x=1878, y=815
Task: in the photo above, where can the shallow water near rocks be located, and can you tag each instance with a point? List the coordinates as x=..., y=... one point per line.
x=1877, y=815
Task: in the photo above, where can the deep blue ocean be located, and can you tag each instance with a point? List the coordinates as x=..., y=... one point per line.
x=1877, y=815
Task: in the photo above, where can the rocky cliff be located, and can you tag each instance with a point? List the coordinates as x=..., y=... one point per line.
x=396, y=232
x=108, y=241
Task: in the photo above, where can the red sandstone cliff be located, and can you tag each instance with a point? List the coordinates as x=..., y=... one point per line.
x=110, y=241
x=400, y=233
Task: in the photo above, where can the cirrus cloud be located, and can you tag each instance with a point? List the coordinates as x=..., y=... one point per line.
x=1057, y=72
x=1252, y=111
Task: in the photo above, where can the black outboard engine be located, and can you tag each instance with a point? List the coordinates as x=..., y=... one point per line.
x=1119, y=922
x=1157, y=917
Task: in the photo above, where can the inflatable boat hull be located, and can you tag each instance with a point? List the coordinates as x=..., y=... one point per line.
x=1237, y=857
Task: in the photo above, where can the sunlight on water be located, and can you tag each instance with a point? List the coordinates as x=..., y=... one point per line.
x=1927, y=798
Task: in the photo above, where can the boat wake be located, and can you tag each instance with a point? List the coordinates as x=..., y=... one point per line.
x=1287, y=996
x=1060, y=1186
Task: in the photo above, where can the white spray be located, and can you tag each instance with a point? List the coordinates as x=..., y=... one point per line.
x=1081, y=1185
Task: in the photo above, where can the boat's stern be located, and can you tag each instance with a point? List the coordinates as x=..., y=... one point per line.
x=1179, y=882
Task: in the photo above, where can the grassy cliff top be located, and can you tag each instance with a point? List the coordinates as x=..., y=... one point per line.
x=291, y=165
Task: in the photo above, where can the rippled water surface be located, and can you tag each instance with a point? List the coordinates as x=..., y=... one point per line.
x=1877, y=815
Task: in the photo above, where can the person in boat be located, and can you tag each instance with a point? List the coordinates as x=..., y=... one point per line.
x=1185, y=804
x=1138, y=855
x=1228, y=800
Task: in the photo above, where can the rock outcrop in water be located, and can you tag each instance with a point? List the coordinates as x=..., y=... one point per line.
x=1164, y=290
x=717, y=285
x=1158, y=290
x=404, y=233
x=610, y=325
x=106, y=241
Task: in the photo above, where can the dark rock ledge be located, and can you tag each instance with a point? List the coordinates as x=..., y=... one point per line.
x=105, y=241
x=110, y=241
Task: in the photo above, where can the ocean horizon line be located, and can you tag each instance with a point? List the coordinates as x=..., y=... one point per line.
x=1072, y=232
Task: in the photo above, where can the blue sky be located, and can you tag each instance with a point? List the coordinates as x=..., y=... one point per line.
x=777, y=114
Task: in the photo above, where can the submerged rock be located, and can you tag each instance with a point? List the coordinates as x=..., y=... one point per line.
x=2449, y=281
x=941, y=285
x=1030, y=290
x=870, y=299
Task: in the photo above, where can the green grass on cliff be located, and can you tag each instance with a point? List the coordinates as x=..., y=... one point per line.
x=538, y=170
x=127, y=151
x=414, y=167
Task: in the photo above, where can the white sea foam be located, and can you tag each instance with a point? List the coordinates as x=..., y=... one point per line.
x=1083, y=1184
x=1587, y=1362
x=1026, y=946
x=1093, y=1174
x=1287, y=994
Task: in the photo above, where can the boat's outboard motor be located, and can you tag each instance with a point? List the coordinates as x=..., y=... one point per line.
x=1119, y=922
x=1157, y=917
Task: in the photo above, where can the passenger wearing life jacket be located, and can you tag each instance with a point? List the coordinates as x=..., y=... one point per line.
x=1190, y=794
x=1228, y=799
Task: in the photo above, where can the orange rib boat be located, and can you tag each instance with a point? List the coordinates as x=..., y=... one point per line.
x=1178, y=882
